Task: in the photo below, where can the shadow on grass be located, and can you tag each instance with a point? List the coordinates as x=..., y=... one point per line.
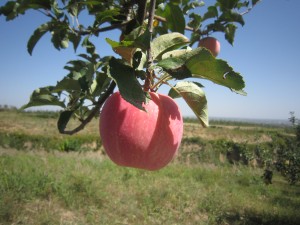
x=253, y=218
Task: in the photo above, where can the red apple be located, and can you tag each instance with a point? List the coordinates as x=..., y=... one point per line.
x=211, y=44
x=135, y=138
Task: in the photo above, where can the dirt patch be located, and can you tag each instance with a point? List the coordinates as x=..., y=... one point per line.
x=48, y=212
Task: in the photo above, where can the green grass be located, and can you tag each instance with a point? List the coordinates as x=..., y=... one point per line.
x=48, y=178
x=61, y=188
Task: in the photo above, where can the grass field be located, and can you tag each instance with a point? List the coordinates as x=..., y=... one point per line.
x=47, y=178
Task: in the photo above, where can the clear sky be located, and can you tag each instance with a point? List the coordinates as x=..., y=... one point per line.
x=266, y=52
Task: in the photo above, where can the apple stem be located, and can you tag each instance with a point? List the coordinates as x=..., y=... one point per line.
x=149, y=77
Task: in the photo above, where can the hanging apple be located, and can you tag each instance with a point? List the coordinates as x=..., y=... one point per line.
x=141, y=139
x=212, y=44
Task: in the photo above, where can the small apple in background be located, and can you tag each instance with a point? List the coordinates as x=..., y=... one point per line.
x=135, y=138
x=211, y=44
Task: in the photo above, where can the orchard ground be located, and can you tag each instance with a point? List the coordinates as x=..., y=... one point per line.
x=48, y=178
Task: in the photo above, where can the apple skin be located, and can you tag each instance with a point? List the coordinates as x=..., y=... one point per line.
x=135, y=138
x=211, y=44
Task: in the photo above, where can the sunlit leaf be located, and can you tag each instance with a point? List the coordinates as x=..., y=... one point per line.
x=175, y=53
x=201, y=64
x=194, y=96
x=167, y=42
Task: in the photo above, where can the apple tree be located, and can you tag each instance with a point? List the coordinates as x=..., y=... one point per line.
x=155, y=48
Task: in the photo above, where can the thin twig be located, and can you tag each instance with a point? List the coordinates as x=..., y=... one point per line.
x=249, y=9
x=103, y=29
x=95, y=110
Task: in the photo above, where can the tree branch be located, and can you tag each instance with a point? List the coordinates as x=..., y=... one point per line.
x=103, y=29
x=149, y=55
x=95, y=110
x=141, y=12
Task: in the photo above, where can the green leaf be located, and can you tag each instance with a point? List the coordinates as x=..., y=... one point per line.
x=176, y=53
x=122, y=49
x=73, y=9
x=127, y=48
x=232, y=16
x=100, y=83
x=43, y=96
x=195, y=21
x=175, y=2
x=254, y=2
x=230, y=32
x=143, y=41
x=194, y=96
x=204, y=65
x=227, y=4
x=63, y=120
x=192, y=5
x=56, y=9
x=106, y=16
x=137, y=58
x=129, y=87
x=175, y=18
x=36, y=4
x=36, y=36
x=10, y=10
x=201, y=64
x=60, y=38
x=212, y=12
x=75, y=39
x=167, y=42
x=67, y=84
x=90, y=47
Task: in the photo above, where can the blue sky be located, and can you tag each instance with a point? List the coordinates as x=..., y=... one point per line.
x=266, y=52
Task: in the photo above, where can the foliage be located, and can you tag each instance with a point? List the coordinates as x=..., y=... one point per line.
x=21, y=141
x=288, y=160
x=153, y=50
x=288, y=154
x=278, y=153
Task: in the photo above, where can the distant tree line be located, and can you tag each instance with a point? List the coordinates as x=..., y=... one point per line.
x=6, y=107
